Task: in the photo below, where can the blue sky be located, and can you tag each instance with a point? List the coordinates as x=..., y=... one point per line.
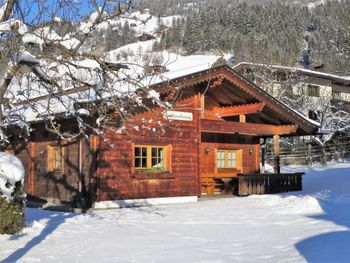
x=72, y=8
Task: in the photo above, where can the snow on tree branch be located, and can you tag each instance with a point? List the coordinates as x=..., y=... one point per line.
x=49, y=67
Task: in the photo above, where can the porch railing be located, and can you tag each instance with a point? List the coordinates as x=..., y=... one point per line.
x=268, y=183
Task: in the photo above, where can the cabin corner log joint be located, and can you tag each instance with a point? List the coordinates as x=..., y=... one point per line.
x=209, y=144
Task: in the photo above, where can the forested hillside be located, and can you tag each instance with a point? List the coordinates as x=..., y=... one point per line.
x=298, y=33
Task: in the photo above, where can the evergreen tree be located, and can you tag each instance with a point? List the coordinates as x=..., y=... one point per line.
x=263, y=31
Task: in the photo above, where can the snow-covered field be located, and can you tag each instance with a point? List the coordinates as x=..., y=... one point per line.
x=308, y=226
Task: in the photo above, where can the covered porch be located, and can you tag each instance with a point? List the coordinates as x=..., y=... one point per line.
x=246, y=175
x=236, y=119
x=236, y=116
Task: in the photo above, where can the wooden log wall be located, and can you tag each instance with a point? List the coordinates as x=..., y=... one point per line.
x=269, y=183
x=23, y=152
x=117, y=177
x=250, y=156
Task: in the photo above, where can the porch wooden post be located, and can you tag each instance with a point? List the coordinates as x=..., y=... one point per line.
x=242, y=118
x=32, y=168
x=276, y=153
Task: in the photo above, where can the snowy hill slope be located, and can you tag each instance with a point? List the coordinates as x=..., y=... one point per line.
x=308, y=226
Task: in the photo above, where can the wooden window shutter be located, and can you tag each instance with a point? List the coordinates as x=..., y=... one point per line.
x=50, y=158
x=167, y=158
x=94, y=142
x=133, y=157
x=239, y=154
x=63, y=157
x=215, y=162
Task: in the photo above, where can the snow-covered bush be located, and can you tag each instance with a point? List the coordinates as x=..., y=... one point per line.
x=12, y=197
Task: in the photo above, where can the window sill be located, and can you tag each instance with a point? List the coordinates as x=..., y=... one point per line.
x=54, y=172
x=140, y=175
x=227, y=170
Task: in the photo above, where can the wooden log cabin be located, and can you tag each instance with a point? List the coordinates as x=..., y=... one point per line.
x=206, y=144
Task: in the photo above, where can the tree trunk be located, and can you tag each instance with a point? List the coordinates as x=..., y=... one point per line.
x=323, y=155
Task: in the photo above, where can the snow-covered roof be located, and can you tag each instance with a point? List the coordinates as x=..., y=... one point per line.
x=177, y=67
x=345, y=79
x=37, y=96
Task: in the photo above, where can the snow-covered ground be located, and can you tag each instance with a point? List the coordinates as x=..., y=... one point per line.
x=308, y=226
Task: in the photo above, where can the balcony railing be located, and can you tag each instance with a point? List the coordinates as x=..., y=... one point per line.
x=268, y=183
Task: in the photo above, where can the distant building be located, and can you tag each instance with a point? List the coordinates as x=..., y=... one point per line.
x=145, y=37
x=318, y=88
x=157, y=33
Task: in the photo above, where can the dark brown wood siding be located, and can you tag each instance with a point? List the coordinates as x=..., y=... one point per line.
x=58, y=184
x=64, y=184
x=22, y=151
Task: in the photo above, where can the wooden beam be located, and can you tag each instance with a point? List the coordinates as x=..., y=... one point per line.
x=216, y=83
x=210, y=115
x=237, y=110
x=285, y=129
x=242, y=118
x=219, y=126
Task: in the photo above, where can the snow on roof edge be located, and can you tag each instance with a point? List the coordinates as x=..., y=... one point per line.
x=203, y=67
x=313, y=122
x=296, y=69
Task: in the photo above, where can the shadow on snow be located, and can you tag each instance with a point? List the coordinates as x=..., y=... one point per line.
x=55, y=219
x=331, y=246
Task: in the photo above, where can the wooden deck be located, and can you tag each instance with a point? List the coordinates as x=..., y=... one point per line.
x=218, y=182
